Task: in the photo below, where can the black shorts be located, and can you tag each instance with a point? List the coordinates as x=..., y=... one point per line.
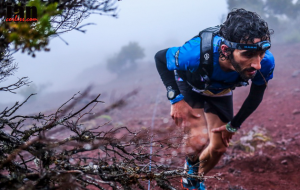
x=221, y=106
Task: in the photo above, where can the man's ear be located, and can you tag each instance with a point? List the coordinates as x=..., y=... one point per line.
x=224, y=49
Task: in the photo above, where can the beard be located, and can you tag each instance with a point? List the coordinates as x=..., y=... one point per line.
x=242, y=72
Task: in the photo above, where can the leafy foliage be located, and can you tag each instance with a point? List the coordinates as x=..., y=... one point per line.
x=54, y=18
x=32, y=36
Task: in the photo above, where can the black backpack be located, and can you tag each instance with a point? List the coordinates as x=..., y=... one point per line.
x=201, y=79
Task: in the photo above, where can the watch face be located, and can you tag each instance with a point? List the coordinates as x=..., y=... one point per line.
x=171, y=94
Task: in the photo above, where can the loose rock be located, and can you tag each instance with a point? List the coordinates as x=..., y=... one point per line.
x=231, y=170
x=295, y=112
x=284, y=162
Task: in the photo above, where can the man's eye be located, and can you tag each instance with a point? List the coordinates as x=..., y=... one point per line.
x=252, y=54
x=249, y=54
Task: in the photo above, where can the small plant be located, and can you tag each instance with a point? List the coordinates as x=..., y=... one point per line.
x=257, y=137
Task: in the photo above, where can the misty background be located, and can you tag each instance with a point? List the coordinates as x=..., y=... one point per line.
x=153, y=24
x=77, y=59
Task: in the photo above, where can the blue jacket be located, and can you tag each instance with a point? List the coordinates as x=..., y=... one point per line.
x=189, y=59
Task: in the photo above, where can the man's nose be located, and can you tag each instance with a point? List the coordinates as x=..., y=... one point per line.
x=256, y=62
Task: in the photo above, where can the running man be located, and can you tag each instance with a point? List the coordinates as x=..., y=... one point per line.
x=201, y=102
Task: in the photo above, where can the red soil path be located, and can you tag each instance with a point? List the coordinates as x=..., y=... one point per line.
x=267, y=168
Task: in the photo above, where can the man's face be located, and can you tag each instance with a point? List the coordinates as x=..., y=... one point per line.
x=247, y=62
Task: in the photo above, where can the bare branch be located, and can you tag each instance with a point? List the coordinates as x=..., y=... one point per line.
x=21, y=82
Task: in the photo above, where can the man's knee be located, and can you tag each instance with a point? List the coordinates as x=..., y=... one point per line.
x=218, y=149
x=197, y=143
x=198, y=147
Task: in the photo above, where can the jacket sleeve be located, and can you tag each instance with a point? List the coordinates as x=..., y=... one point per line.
x=257, y=90
x=251, y=103
x=185, y=58
x=166, y=75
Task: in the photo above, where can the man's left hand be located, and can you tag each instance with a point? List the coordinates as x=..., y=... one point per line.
x=226, y=135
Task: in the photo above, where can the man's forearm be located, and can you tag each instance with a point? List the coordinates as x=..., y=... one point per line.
x=166, y=75
x=251, y=103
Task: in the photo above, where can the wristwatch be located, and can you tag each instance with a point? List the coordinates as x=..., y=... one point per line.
x=170, y=93
x=229, y=128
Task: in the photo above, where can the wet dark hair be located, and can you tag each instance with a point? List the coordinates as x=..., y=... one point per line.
x=243, y=26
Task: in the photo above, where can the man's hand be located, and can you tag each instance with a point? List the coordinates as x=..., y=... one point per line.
x=226, y=135
x=181, y=113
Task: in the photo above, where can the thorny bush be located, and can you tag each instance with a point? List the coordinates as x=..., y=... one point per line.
x=35, y=155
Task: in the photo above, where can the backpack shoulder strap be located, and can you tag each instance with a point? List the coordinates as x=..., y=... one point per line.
x=206, y=51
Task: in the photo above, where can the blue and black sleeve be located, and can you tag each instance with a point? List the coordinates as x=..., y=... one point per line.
x=258, y=86
x=167, y=76
x=249, y=106
x=185, y=58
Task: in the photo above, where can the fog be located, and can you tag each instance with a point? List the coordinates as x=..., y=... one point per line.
x=153, y=24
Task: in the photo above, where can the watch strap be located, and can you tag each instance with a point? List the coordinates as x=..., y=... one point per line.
x=177, y=99
x=229, y=128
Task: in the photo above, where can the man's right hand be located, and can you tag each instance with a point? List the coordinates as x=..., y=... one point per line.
x=181, y=113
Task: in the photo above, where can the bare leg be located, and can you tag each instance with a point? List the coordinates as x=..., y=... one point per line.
x=214, y=151
x=197, y=136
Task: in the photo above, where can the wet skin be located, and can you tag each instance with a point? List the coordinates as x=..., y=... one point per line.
x=245, y=62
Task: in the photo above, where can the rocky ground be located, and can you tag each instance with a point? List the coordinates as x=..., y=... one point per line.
x=269, y=162
x=264, y=154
